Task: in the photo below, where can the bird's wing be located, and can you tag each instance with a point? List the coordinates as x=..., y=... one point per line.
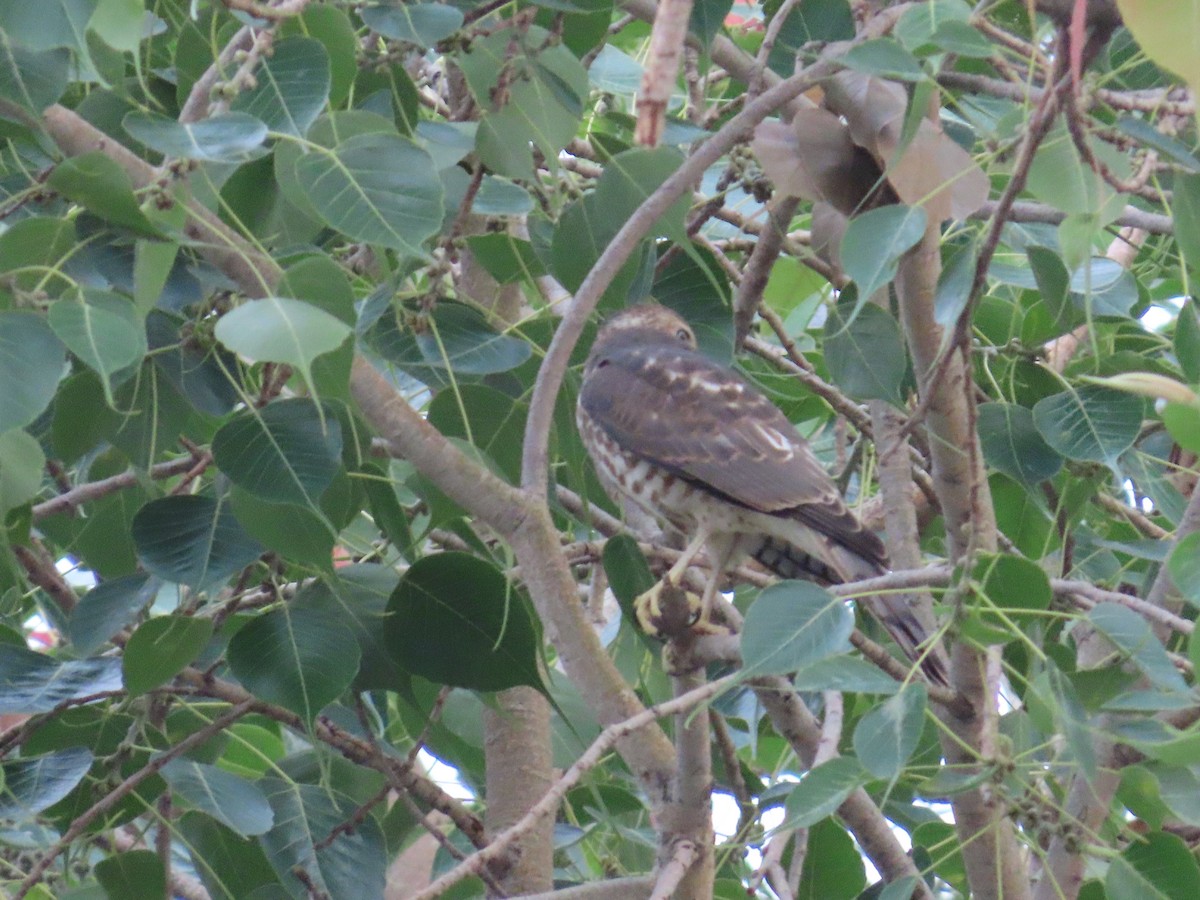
x=702, y=421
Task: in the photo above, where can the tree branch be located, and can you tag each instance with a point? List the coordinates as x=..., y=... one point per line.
x=124, y=789
x=549, y=801
x=798, y=726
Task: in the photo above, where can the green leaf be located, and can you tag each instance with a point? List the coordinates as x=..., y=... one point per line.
x=379, y=188
x=844, y=673
x=300, y=659
x=1133, y=636
x=942, y=25
x=1071, y=721
x=1187, y=341
x=865, y=353
x=1184, y=566
x=293, y=85
x=1105, y=287
x=32, y=785
x=223, y=138
x=629, y=574
x=119, y=23
x=230, y=866
x=1050, y=272
x=900, y=889
x=98, y=182
x=886, y=736
x=505, y=257
x=1166, y=32
x=938, y=842
x=587, y=227
x=633, y=175
x=331, y=26
x=1012, y=445
x=192, y=540
x=1010, y=588
x=954, y=284
x=34, y=250
x=31, y=362
x=455, y=620
x=286, y=452
x=1179, y=790
x=810, y=20
x=1156, y=866
x=791, y=625
x=35, y=683
x=833, y=867
x=389, y=516
x=327, y=132
x=1185, y=209
x=161, y=648
x=543, y=105
x=1144, y=132
x=152, y=414
x=883, y=57
x=132, y=875
x=1091, y=423
x=359, y=595
x=494, y=423
x=917, y=27
x=232, y=801
x=204, y=374
x=423, y=24
x=353, y=864
x=21, y=465
x=707, y=18
x=104, y=330
x=822, y=790
x=455, y=339
x=32, y=79
x=874, y=242
x=298, y=533
x=496, y=196
x=629, y=577
x=615, y=71
x=322, y=283
x=107, y=608
x=1183, y=424
x=278, y=329
x=1059, y=178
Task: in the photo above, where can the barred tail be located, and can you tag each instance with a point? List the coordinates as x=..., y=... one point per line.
x=897, y=613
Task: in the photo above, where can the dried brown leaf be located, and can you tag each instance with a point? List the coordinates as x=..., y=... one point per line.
x=814, y=158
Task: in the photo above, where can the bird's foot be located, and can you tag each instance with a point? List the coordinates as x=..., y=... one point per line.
x=667, y=610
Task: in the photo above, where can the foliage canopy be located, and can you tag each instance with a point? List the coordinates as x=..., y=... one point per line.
x=281, y=286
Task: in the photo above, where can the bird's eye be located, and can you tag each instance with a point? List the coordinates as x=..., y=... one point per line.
x=684, y=335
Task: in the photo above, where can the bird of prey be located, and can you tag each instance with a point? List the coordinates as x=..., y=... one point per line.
x=692, y=444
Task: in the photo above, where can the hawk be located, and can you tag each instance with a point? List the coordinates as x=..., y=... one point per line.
x=692, y=444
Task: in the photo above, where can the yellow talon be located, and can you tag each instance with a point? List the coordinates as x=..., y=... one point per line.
x=667, y=610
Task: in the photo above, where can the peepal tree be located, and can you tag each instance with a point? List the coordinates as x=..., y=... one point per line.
x=295, y=299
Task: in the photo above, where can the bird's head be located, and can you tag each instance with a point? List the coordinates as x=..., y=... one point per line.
x=646, y=322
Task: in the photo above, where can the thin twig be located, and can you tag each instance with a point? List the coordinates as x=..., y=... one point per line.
x=94, y=490
x=124, y=789
x=549, y=802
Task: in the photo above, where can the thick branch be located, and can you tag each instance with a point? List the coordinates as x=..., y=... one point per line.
x=687, y=819
x=990, y=850
x=519, y=768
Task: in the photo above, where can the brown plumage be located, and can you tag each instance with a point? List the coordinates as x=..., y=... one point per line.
x=693, y=445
